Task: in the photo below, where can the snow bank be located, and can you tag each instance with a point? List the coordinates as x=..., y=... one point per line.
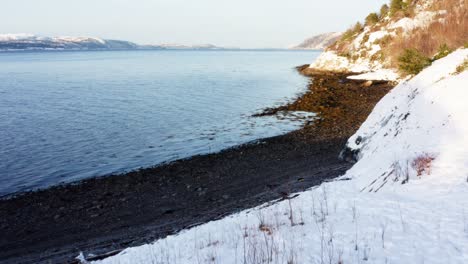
x=423, y=115
x=382, y=75
x=332, y=223
x=367, y=215
x=330, y=61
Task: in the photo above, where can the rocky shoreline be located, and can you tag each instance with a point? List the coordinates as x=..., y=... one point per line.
x=107, y=214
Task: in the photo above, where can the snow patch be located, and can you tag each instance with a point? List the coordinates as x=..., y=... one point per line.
x=373, y=37
x=330, y=61
x=374, y=49
x=379, y=75
x=422, y=19
x=358, y=40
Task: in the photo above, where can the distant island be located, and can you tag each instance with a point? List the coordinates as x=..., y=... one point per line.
x=30, y=42
x=318, y=42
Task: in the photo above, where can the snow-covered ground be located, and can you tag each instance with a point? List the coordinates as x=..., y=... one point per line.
x=330, y=61
x=404, y=201
x=378, y=75
x=422, y=19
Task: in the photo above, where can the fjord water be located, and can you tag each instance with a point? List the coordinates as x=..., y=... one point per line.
x=66, y=116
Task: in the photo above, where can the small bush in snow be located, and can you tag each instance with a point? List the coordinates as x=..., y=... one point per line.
x=378, y=56
x=422, y=164
x=345, y=54
x=443, y=51
x=413, y=62
x=462, y=67
x=365, y=39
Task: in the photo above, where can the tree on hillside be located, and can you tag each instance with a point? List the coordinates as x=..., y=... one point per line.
x=397, y=5
x=384, y=11
x=372, y=19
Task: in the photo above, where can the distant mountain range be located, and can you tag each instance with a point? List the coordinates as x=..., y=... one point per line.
x=319, y=42
x=29, y=42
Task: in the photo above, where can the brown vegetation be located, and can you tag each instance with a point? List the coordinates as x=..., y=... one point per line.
x=462, y=67
x=450, y=30
x=447, y=32
x=423, y=163
x=372, y=19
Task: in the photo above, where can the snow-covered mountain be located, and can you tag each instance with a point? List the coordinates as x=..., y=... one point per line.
x=319, y=42
x=19, y=42
x=182, y=47
x=34, y=42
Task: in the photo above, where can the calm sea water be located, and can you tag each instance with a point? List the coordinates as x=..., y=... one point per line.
x=66, y=116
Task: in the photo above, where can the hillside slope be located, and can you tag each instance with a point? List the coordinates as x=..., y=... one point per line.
x=319, y=42
x=427, y=27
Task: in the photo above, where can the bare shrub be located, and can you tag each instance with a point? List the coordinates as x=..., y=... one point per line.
x=266, y=229
x=422, y=164
x=444, y=51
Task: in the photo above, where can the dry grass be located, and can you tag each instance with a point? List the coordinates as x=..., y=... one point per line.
x=452, y=31
x=423, y=163
x=462, y=67
x=342, y=45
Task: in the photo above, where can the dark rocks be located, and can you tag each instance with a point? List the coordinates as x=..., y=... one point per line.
x=349, y=155
x=358, y=140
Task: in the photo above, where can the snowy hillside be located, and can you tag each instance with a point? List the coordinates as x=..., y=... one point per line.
x=34, y=42
x=427, y=27
x=18, y=42
x=319, y=42
x=404, y=201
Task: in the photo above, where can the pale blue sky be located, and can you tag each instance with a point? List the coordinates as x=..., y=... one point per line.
x=239, y=23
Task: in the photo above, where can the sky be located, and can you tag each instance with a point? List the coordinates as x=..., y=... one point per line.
x=228, y=23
